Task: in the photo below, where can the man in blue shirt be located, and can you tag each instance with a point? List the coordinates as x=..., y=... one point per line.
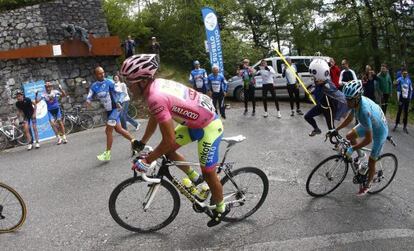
x=404, y=95
x=217, y=86
x=104, y=90
x=198, y=78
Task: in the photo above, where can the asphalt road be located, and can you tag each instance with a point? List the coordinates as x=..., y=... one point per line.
x=66, y=190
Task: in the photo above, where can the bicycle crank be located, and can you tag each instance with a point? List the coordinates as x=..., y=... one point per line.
x=198, y=209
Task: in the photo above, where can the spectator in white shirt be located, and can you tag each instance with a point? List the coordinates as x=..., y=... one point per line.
x=292, y=86
x=121, y=87
x=346, y=74
x=268, y=73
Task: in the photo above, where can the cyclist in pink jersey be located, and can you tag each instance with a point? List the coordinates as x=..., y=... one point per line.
x=169, y=101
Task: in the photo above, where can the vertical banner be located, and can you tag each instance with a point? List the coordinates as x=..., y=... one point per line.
x=42, y=116
x=213, y=37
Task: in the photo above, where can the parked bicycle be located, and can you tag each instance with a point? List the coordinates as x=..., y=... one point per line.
x=12, y=132
x=132, y=111
x=148, y=203
x=77, y=118
x=331, y=172
x=12, y=209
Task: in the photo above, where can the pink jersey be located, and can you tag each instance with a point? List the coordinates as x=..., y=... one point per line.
x=168, y=99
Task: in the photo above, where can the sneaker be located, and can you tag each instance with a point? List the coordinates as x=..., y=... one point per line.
x=29, y=147
x=299, y=112
x=265, y=114
x=223, y=116
x=105, y=156
x=59, y=141
x=253, y=113
x=405, y=130
x=65, y=141
x=245, y=112
x=37, y=145
x=315, y=132
x=217, y=217
x=137, y=127
x=363, y=190
x=279, y=115
x=292, y=113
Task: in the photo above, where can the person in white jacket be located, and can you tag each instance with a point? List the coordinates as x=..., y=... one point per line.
x=268, y=73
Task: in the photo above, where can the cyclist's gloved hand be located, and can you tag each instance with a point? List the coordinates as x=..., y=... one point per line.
x=349, y=152
x=141, y=166
x=137, y=145
x=332, y=133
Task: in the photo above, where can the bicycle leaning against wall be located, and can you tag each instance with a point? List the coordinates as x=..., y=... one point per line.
x=11, y=131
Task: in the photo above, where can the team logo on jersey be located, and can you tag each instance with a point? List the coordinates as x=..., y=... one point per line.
x=185, y=113
x=192, y=94
x=157, y=110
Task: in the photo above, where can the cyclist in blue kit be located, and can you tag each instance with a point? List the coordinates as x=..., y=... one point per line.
x=104, y=90
x=372, y=127
x=217, y=86
x=198, y=78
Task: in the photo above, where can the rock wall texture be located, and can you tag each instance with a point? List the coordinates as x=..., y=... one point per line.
x=41, y=24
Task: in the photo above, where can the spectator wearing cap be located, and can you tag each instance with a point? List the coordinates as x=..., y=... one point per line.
x=247, y=74
x=198, y=78
x=292, y=86
x=155, y=49
x=217, y=86
x=27, y=109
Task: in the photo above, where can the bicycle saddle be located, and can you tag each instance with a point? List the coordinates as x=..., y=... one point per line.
x=235, y=139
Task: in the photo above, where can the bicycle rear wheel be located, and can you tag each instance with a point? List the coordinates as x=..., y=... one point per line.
x=4, y=141
x=86, y=121
x=12, y=209
x=327, y=176
x=68, y=124
x=385, y=170
x=132, y=111
x=251, y=184
x=127, y=201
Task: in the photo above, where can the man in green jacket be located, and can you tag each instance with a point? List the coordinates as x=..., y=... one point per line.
x=384, y=86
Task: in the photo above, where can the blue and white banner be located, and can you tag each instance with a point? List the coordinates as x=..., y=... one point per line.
x=42, y=116
x=213, y=37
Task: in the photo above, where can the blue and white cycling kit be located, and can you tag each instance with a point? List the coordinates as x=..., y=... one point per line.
x=52, y=101
x=198, y=78
x=217, y=84
x=105, y=92
x=371, y=118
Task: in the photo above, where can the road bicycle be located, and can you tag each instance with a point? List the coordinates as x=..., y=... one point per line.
x=147, y=203
x=12, y=132
x=132, y=111
x=331, y=172
x=12, y=209
x=77, y=118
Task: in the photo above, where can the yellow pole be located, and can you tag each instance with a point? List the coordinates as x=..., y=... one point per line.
x=296, y=75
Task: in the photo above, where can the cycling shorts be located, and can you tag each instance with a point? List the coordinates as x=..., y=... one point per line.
x=208, y=138
x=29, y=119
x=378, y=140
x=113, y=117
x=55, y=114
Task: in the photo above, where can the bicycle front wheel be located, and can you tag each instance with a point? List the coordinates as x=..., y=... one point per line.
x=245, y=190
x=86, y=121
x=21, y=137
x=385, y=170
x=68, y=125
x=127, y=202
x=12, y=209
x=327, y=176
x=4, y=141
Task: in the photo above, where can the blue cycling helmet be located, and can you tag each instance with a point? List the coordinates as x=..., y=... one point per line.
x=353, y=89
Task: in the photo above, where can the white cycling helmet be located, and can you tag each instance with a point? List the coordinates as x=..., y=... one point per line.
x=353, y=89
x=138, y=67
x=319, y=68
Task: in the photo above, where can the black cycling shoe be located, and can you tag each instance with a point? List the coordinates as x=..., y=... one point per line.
x=137, y=145
x=217, y=217
x=315, y=131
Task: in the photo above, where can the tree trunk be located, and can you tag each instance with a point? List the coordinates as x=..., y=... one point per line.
x=374, y=34
x=360, y=31
x=276, y=21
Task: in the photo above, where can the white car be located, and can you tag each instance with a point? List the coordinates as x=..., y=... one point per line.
x=235, y=88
